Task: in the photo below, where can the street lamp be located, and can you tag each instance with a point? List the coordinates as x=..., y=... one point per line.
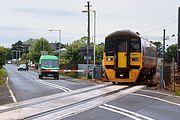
x=59, y=40
x=94, y=35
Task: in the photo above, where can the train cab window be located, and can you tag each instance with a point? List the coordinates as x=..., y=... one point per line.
x=122, y=45
x=109, y=45
x=135, y=45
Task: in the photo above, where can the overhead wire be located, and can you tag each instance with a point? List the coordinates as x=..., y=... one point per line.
x=156, y=29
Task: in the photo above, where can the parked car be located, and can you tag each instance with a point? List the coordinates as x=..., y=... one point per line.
x=22, y=67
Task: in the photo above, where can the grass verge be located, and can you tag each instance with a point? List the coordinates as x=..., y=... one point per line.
x=2, y=74
x=177, y=93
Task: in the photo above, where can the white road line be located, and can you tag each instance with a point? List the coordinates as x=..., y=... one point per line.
x=156, y=99
x=123, y=113
x=159, y=93
x=128, y=112
x=12, y=94
x=65, y=89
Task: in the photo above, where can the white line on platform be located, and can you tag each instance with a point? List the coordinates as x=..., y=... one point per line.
x=12, y=94
x=156, y=98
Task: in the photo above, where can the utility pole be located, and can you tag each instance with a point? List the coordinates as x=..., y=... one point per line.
x=178, y=46
x=164, y=38
x=88, y=41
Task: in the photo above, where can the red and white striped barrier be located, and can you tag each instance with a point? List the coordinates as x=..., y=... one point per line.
x=75, y=70
x=48, y=70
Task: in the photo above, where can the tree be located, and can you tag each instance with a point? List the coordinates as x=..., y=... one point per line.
x=18, y=49
x=30, y=42
x=171, y=52
x=73, y=51
x=3, y=54
x=99, y=52
x=40, y=45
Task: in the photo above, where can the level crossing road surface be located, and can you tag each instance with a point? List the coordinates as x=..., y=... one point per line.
x=95, y=102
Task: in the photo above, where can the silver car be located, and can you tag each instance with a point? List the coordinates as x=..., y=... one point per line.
x=22, y=67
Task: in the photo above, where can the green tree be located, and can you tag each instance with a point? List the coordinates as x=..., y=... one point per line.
x=18, y=49
x=99, y=52
x=73, y=51
x=171, y=52
x=40, y=45
x=3, y=54
x=25, y=56
x=30, y=42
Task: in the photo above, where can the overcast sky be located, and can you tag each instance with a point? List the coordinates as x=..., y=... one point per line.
x=24, y=19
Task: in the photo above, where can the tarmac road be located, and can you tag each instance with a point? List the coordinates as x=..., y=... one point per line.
x=26, y=85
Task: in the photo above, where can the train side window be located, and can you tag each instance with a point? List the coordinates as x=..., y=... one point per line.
x=135, y=45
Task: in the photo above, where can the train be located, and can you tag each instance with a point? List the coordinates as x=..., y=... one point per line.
x=128, y=57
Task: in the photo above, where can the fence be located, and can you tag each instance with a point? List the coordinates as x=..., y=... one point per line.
x=170, y=77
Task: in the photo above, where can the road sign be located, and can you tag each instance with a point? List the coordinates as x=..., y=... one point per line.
x=83, y=51
x=85, y=57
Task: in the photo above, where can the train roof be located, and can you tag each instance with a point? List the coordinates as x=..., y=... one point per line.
x=123, y=32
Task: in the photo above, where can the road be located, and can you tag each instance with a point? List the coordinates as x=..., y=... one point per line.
x=26, y=85
x=79, y=100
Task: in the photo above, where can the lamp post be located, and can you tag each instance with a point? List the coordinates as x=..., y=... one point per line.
x=59, y=36
x=94, y=37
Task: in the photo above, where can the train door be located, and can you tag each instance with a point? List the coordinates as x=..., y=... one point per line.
x=122, y=53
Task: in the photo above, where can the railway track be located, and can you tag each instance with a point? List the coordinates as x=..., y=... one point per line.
x=62, y=105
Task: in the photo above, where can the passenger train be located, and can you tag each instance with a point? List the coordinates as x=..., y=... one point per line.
x=128, y=57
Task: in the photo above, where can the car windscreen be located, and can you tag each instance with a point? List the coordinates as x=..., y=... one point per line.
x=22, y=65
x=50, y=63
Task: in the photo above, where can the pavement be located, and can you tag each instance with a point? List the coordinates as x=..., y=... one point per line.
x=5, y=96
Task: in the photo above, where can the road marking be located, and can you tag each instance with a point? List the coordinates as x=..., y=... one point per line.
x=159, y=93
x=156, y=98
x=12, y=94
x=65, y=89
x=116, y=111
x=125, y=111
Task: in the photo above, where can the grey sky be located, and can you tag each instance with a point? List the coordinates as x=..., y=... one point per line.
x=24, y=19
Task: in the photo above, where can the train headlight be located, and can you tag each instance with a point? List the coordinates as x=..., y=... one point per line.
x=109, y=59
x=121, y=75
